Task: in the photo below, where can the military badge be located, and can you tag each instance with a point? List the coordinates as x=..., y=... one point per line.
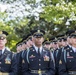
x=39, y=72
x=38, y=31
x=46, y=58
x=7, y=60
x=32, y=56
x=60, y=62
x=70, y=57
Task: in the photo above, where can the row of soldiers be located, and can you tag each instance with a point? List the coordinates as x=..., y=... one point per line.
x=62, y=53
x=38, y=57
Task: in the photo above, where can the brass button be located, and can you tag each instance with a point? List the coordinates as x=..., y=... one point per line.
x=39, y=69
x=39, y=64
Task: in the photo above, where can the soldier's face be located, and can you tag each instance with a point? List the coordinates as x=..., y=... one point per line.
x=47, y=46
x=19, y=48
x=3, y=42
x=55, y=45
x=30, y=42
x=74, y=41
x=69, y=40
x=59, y=43
x=38, y=41
x=63, y=43
x=24, y=46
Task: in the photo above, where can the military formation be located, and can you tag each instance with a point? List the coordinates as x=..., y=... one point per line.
x=38, y=56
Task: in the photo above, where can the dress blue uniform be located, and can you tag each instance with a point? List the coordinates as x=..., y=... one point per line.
x=55, y=58
x=38, y=62
x=19, y=62
x=8, y=63
x=19, y=56
x=68, y=59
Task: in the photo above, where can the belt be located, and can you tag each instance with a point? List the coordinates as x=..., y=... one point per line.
x=4, y=73
x=40, y=72
x=72, y=72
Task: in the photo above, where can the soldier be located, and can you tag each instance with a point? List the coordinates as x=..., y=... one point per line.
x=8, y=64
x=57, y=52
x=18, y=57
x=19, y=46
x=54, y=44
x=68, y=33
x=46, y=43
x=39, y=61
x=29, y=40
x=68, y=58
x=26, y=42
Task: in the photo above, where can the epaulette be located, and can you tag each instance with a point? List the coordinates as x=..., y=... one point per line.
x=8, y=51
x=66, y=48
x=31, y=48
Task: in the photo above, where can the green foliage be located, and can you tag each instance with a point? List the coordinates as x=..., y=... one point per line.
x=59, y=12
x=11, y=35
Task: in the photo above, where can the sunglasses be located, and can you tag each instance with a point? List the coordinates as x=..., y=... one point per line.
x=60, y=40
x=55, y=42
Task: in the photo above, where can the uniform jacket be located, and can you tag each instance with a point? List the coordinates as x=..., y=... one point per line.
x=67, y=61
x=35, y=62
x=20, y=61
x=8, y=63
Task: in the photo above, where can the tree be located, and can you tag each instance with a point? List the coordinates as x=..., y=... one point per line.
x=54, y=16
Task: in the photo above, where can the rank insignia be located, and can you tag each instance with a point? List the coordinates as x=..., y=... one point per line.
x=60, y=62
